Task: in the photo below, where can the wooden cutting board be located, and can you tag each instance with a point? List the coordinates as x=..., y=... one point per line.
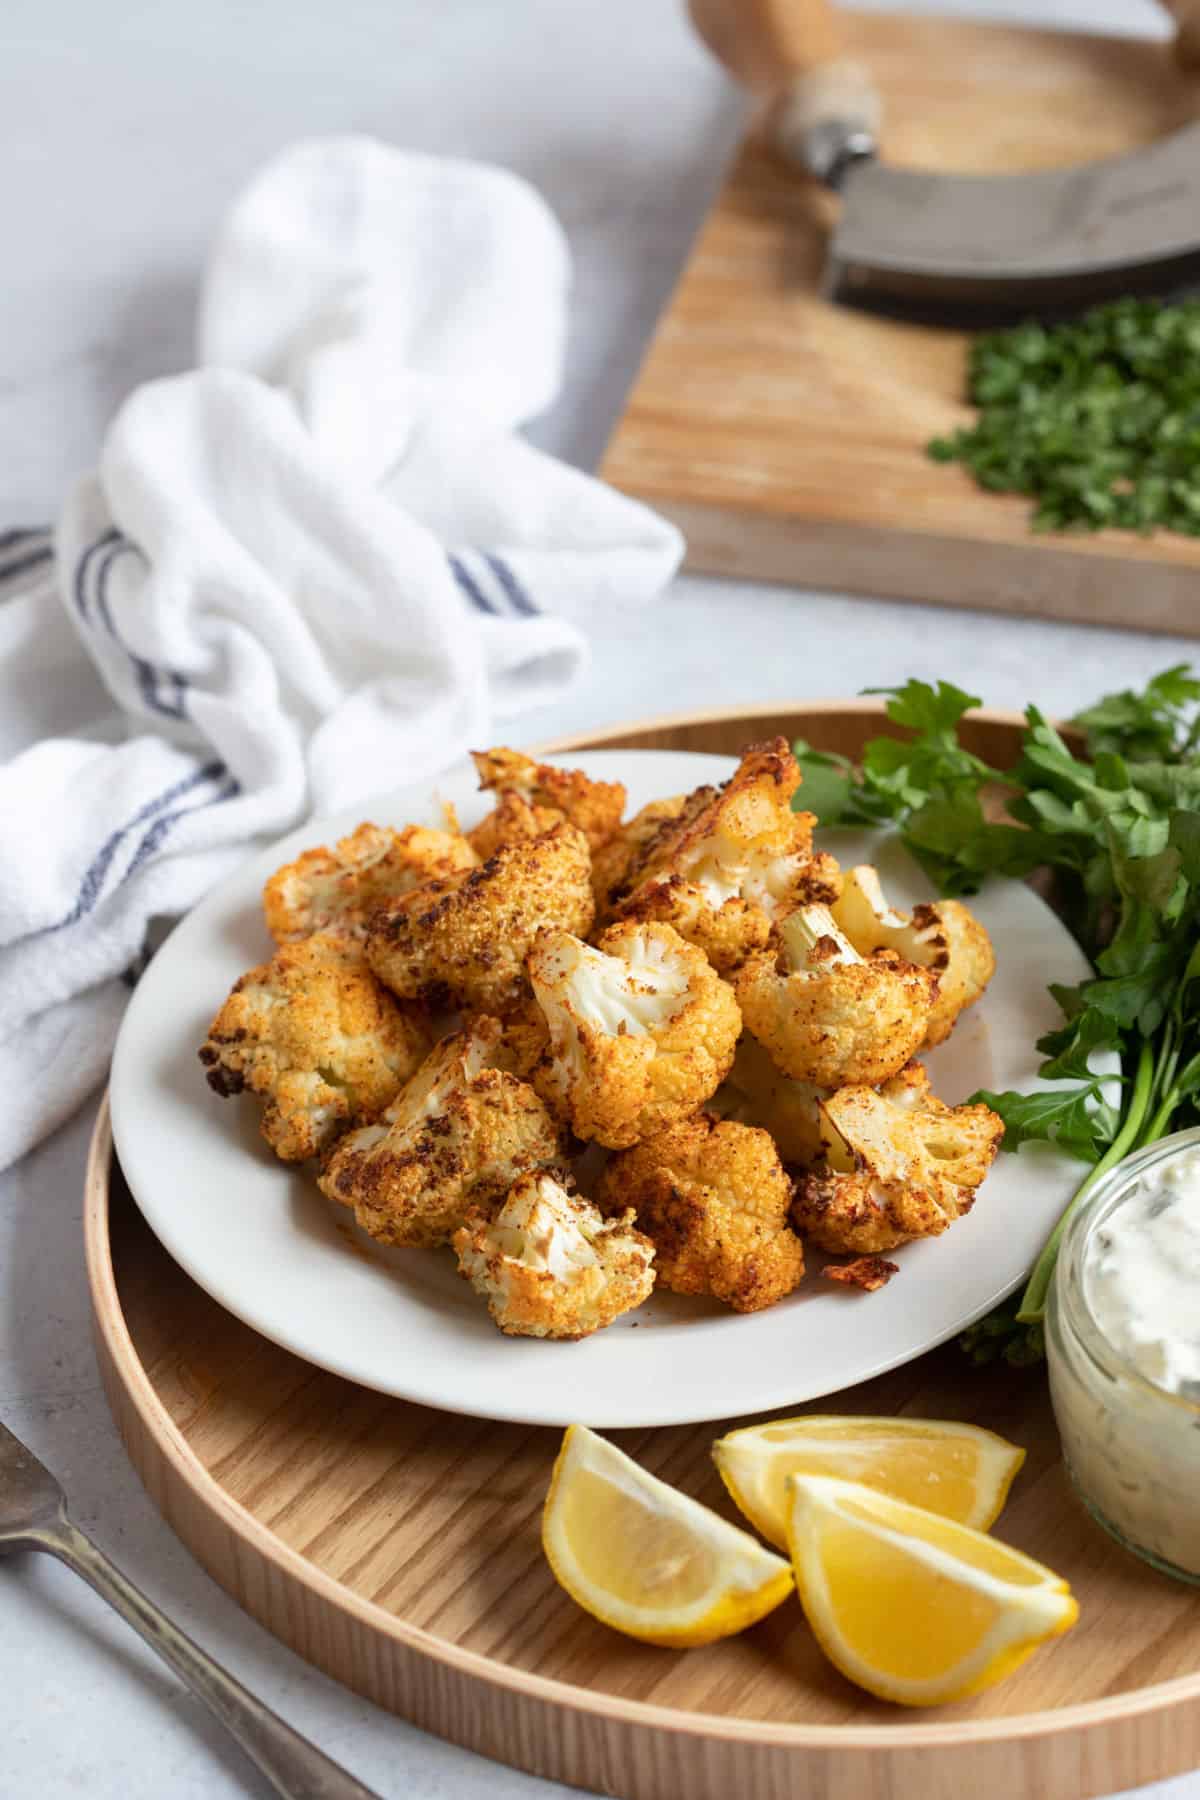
x=786, y=436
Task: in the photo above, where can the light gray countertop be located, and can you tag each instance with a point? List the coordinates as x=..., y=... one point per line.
x=126, y=129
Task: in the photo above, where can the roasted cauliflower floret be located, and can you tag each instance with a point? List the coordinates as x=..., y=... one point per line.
x=549, y=1264
x=943, y=937
x=736, y=859
x=642, y=1030
x=595, y=807
x=456, y=1136
x=524, y=1039
x=511, y=821
x=713, y=1198
x=336, y=888
x=465, y=940
x=898, y=1163
x=825, y=1013
x=613, y=863
x=755, y=1092
x=316, y=1037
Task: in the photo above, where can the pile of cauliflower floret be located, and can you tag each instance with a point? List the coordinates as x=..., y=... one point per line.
x=694, y=1005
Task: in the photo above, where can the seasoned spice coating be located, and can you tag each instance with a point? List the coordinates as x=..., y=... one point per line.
x=595, y=807
x=828, y=1015
x=456, y=1136
x=713, y=1198
x=868, y=1273
x=524, y=1039
x=335, y=889
x=734, y=860
x=464, y=941
x=314, y=1036
x=898, y=1164
x=511, y=821
x=614, y=862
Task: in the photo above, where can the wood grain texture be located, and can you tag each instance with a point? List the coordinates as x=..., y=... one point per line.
x=786, y=435
x=397, y=1547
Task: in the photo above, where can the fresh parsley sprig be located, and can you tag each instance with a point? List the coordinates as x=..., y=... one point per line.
x=1116, y=820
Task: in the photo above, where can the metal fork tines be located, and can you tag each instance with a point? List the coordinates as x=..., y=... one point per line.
x=33, y=1516
x=31, y=1501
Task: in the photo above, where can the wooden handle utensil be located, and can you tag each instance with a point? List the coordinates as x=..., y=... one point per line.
x=822, y=109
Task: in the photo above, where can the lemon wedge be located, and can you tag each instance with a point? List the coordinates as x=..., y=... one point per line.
x=645, y=1558
x=959, y=1471
x=910, y=1605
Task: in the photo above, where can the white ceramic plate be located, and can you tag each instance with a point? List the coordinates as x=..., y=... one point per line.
x=261, y=1239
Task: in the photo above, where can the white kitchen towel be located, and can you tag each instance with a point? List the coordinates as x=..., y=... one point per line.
x=320, y=564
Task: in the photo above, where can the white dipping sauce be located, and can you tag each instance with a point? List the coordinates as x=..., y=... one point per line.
x=1123, y=1346
x=1141, y=1275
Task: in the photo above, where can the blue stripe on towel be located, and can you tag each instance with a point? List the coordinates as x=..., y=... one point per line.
x=93, y=880
x=115, y=548
x=21, y=534
x=79, y=585
x=516, y=591
x=469, y=585
x=153, y=840
x=149, y=676
x=21, y=565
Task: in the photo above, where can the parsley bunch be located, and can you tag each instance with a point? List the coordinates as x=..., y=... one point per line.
x=1098, y=419
x=1119, y=828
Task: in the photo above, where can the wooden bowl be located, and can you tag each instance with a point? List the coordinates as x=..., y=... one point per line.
x=397, y=1548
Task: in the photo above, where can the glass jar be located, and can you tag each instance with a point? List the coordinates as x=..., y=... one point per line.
x=1132, y=1448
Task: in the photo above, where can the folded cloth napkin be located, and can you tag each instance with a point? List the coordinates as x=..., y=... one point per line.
x=320, y=564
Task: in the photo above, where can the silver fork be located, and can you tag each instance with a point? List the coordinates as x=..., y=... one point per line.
x=33, y=1516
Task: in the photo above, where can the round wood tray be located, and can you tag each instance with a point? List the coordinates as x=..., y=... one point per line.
x=397, y=1548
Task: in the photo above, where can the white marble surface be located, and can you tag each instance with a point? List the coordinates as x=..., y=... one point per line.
x=126, y=128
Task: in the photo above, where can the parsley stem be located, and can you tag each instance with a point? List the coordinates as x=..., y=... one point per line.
x=1033, y=1301
x=1168, y=1062
x=1158, y=1125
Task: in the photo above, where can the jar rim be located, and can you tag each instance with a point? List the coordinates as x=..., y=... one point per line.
x=1070, y=1289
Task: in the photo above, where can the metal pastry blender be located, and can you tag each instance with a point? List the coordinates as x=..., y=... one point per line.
x=912, y=241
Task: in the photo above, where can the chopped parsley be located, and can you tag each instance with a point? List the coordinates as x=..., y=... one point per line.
x=1096, y=419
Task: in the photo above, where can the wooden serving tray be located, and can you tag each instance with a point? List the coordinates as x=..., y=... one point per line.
x=786, y=436
x=397, y=1548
